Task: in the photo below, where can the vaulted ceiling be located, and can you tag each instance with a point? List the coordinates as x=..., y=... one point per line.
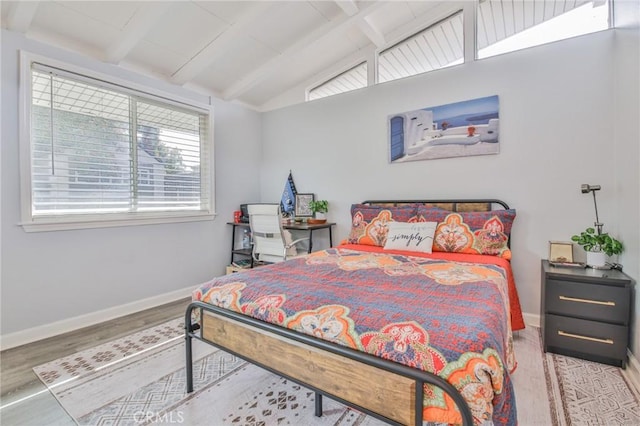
x=259, y=53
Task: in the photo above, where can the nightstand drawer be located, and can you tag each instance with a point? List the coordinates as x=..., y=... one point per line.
x=590, y=301
x=588, y=337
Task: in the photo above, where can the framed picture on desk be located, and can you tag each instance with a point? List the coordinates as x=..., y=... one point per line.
x=303, y=205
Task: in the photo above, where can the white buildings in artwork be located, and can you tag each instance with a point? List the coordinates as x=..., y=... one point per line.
x=421, y=139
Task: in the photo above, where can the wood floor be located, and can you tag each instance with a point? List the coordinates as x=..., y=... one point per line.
x=24, y=400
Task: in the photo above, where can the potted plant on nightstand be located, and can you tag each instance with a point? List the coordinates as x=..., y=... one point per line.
x=597, y=246
x=319, y=209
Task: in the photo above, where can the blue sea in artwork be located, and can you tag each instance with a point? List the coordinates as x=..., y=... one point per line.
x=466, y=113
x=467, y=119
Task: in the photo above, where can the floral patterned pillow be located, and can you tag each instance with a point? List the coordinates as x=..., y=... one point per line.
x=427, y=213
x=369, y=223
x=475, y=233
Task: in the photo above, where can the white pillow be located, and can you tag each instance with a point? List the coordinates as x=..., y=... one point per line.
x=416, y=236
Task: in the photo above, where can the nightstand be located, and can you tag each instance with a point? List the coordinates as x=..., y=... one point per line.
x=585, y=313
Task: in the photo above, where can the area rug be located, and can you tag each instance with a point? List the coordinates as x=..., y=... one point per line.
x=140, y=380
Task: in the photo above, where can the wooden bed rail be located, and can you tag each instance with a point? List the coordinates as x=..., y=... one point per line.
x=228, y=323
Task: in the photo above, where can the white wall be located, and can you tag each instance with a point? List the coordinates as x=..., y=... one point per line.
x=54, y=277
x=627, y=144
x=568, y=116
x=557, y=119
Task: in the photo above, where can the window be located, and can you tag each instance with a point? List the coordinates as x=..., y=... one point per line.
x=506, y=26
x=438, y=46
x=105, y=154
x=502, y=26
x=352, y=79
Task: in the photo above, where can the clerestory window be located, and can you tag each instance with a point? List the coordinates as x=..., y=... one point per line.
x=438, y=46
x=352, y=79
x=502, y=26
x=507, y=26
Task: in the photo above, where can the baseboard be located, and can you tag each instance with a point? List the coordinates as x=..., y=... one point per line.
x=531, y=319
x=632, y=372
x=29, y=335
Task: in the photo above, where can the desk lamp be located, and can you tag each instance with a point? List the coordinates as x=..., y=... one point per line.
x=593, y=188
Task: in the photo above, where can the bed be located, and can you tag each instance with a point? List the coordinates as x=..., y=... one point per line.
x=405, y=335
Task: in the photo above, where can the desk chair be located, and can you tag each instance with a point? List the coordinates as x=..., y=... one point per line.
x=271, y=243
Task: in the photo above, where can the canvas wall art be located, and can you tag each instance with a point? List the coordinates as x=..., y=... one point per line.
x=458, y=129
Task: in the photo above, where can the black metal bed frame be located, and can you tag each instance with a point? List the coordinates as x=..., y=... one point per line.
x=454, y=202
x=421, y=377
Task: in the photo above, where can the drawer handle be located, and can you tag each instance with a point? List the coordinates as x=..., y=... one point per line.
x=595, y=302
x=593, y=339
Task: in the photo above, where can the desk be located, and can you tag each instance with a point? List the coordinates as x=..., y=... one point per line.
x=285, y=225
x=310, y=227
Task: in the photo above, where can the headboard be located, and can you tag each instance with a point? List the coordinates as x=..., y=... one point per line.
x=471, y=205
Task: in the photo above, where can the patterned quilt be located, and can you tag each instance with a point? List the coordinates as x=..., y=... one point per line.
x=436, y=314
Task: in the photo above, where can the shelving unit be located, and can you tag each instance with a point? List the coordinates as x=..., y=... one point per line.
x=244, y=253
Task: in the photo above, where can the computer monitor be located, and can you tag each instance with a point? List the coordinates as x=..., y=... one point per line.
x=244, y=213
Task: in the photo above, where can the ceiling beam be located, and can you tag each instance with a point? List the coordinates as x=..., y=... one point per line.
x=221, y=44
x=372, y=33
x=21, y=15
x=327, y=30
x=350, y=8
x=135, y=30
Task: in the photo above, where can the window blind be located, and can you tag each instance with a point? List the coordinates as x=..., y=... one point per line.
x=438, y=46
x=352, y=79
x=101, y=148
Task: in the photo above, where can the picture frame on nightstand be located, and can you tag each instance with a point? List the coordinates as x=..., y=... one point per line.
x=561, y=254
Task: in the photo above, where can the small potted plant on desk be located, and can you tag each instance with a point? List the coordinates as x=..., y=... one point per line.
x=597, y=245
x=319, y=209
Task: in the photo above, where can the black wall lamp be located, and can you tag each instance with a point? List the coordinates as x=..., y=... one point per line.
x=593, y=188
